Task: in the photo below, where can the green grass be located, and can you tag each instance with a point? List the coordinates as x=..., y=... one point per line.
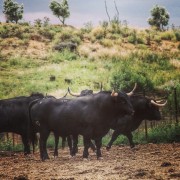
x=8, y=146
x=164, y=133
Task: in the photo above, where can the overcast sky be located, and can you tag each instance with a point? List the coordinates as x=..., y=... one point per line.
x=136, y=12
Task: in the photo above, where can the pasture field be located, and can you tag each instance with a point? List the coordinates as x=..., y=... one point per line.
x=150, y=161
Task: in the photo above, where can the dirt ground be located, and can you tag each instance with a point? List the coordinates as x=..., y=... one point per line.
x=150, y=161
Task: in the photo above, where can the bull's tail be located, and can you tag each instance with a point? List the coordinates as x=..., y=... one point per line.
x=31, y=129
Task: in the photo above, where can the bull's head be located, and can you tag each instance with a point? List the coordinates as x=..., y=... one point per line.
x=122, y=102
x=153, y=112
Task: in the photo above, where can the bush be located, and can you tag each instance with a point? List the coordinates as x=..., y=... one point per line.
x=98, y=32
x=126, y=76
x=68, y=36
x=157, y=39
x=87, y=27
x=8, y=146
x=178, y=46
x=106, y=42
x=64, y=55
x=12, y=30
x=177, y=34
x=167, y=133
x=47, y=33
x=168, y=35
x=135, y=38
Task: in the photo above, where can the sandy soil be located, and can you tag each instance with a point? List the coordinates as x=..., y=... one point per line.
x=151, y=161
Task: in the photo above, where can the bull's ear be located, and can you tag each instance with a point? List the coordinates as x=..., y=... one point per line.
x=114, y=94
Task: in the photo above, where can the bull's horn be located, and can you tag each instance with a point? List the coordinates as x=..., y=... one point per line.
x=157, y=104
x=114, y=93
x=132, y=92
x=65, y=94
x=73, y=94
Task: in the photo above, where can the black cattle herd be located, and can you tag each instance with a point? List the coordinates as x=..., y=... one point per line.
x=89, y=114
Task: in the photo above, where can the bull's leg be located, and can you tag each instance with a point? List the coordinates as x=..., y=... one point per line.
x=98, y=143
x=69, y=140
x=92, y=146
x=63, y=142
x=86, y=147
x=43, y=140
x=75, y=143
x=26, y=144
x=56, y=145
x=130, y=138
x=113, y=138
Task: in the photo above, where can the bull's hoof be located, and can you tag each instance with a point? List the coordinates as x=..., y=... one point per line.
x=99, y=158
x=73, y=154
x=71, y=157
x=29, y=156
x=27, y=153
x=55, y=157
x=46, y=157
x=108, y=148
x=85, y=159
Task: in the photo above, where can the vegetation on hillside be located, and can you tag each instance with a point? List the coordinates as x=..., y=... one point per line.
x=113, y=54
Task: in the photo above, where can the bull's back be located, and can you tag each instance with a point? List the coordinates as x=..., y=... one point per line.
x=13, y=117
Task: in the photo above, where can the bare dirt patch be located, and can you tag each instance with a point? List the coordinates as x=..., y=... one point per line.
x=151, y=161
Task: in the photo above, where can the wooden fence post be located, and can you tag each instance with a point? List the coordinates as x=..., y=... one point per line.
x=145, y=122
x=13, y=140
x=176, y=105
x=7, y=136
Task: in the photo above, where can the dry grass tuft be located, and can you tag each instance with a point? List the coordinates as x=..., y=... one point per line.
x=175, y=63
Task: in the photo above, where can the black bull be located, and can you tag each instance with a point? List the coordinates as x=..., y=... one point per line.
x=90, y=116
x=14, y=118
x=144, y=108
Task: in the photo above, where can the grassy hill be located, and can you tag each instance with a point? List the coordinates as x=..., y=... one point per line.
x=115, y=55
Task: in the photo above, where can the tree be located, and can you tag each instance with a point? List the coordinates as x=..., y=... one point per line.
x=13, y=11
x=61, y=10
x=160, y=17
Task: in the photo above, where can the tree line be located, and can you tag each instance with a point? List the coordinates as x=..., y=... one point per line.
x=14, y=12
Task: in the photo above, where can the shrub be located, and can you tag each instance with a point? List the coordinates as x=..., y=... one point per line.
x=167, y=133
x=125, y=76
x=67, y=35
x=178, y=46
x=47, y=33
x=168, y=35
x=8, y=146
x=157, y=39
x=177, y=34
x=87, y=27
x=98, y=32
x=106, y=42
x=12, y=30
x=64, y=55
